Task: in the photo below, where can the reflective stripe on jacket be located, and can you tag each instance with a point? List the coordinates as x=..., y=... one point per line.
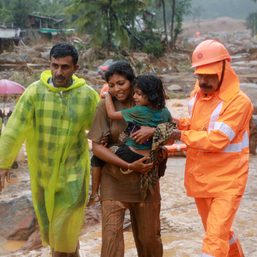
x=217, y=137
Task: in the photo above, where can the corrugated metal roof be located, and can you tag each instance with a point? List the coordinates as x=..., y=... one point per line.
x=57, y=20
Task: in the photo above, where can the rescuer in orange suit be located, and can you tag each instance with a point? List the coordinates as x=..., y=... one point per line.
x=217, y=139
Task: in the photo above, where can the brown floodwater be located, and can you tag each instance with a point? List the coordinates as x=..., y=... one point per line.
x=182, y=231
x=10, y=246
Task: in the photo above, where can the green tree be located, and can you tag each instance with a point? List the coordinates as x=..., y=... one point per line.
x=113, y=23
x=54, y=8
x=5, y=15
x=20, y=10
x=91, y=17
x=179, y=8
x=251, y=21
x=109, y=22
x=162, y=4
x=176, y=10
x=16, y=11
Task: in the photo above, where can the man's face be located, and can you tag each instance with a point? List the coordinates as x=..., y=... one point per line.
x=208, y=83
x=62, y=69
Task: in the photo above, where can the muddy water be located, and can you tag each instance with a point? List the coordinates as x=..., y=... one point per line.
x=10, y=246
x=181, y=228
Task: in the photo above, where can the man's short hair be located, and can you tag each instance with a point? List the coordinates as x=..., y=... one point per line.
x=64, y=49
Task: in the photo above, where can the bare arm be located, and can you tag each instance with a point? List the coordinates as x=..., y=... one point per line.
x=112, y=113
x=108, y=156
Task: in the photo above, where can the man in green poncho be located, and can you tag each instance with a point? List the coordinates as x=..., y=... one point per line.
x=52, y=116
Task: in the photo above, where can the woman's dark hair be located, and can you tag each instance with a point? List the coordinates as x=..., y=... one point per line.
x=152, y=87
x=122, y=68
x=64, y=49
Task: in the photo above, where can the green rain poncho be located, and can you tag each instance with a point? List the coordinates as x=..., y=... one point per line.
x=53, y=123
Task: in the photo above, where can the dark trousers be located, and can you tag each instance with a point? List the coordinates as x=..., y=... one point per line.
x=145, y=221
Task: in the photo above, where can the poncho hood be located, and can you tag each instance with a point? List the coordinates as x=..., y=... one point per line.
x=46, y=75
x=230, y=85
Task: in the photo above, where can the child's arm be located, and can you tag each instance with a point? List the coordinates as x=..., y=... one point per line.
x=112, y=113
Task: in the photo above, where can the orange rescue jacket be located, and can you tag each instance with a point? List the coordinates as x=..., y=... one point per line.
x=217, y=137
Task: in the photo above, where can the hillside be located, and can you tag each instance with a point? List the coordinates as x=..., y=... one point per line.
x=209, y=9
x=217, y=25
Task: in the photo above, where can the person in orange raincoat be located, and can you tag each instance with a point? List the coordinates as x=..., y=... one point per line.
x=217, y=139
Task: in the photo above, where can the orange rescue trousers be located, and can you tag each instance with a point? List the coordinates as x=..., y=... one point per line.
x=217, y=216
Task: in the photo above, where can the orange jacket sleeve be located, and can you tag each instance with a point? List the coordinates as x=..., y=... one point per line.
x=230, y=126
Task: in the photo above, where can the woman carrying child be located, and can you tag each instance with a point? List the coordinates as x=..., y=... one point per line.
x=121, y=191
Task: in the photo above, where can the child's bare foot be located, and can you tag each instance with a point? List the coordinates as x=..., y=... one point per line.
x=93, y=199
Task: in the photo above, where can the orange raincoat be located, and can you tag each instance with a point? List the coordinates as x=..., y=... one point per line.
x=217, y=139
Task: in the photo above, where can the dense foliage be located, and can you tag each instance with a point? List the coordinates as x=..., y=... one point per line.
x=146, y=25
x=133, y=24
x=251, y=20
x=14, y=13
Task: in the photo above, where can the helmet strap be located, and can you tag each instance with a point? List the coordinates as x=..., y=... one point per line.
x=222, y=73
